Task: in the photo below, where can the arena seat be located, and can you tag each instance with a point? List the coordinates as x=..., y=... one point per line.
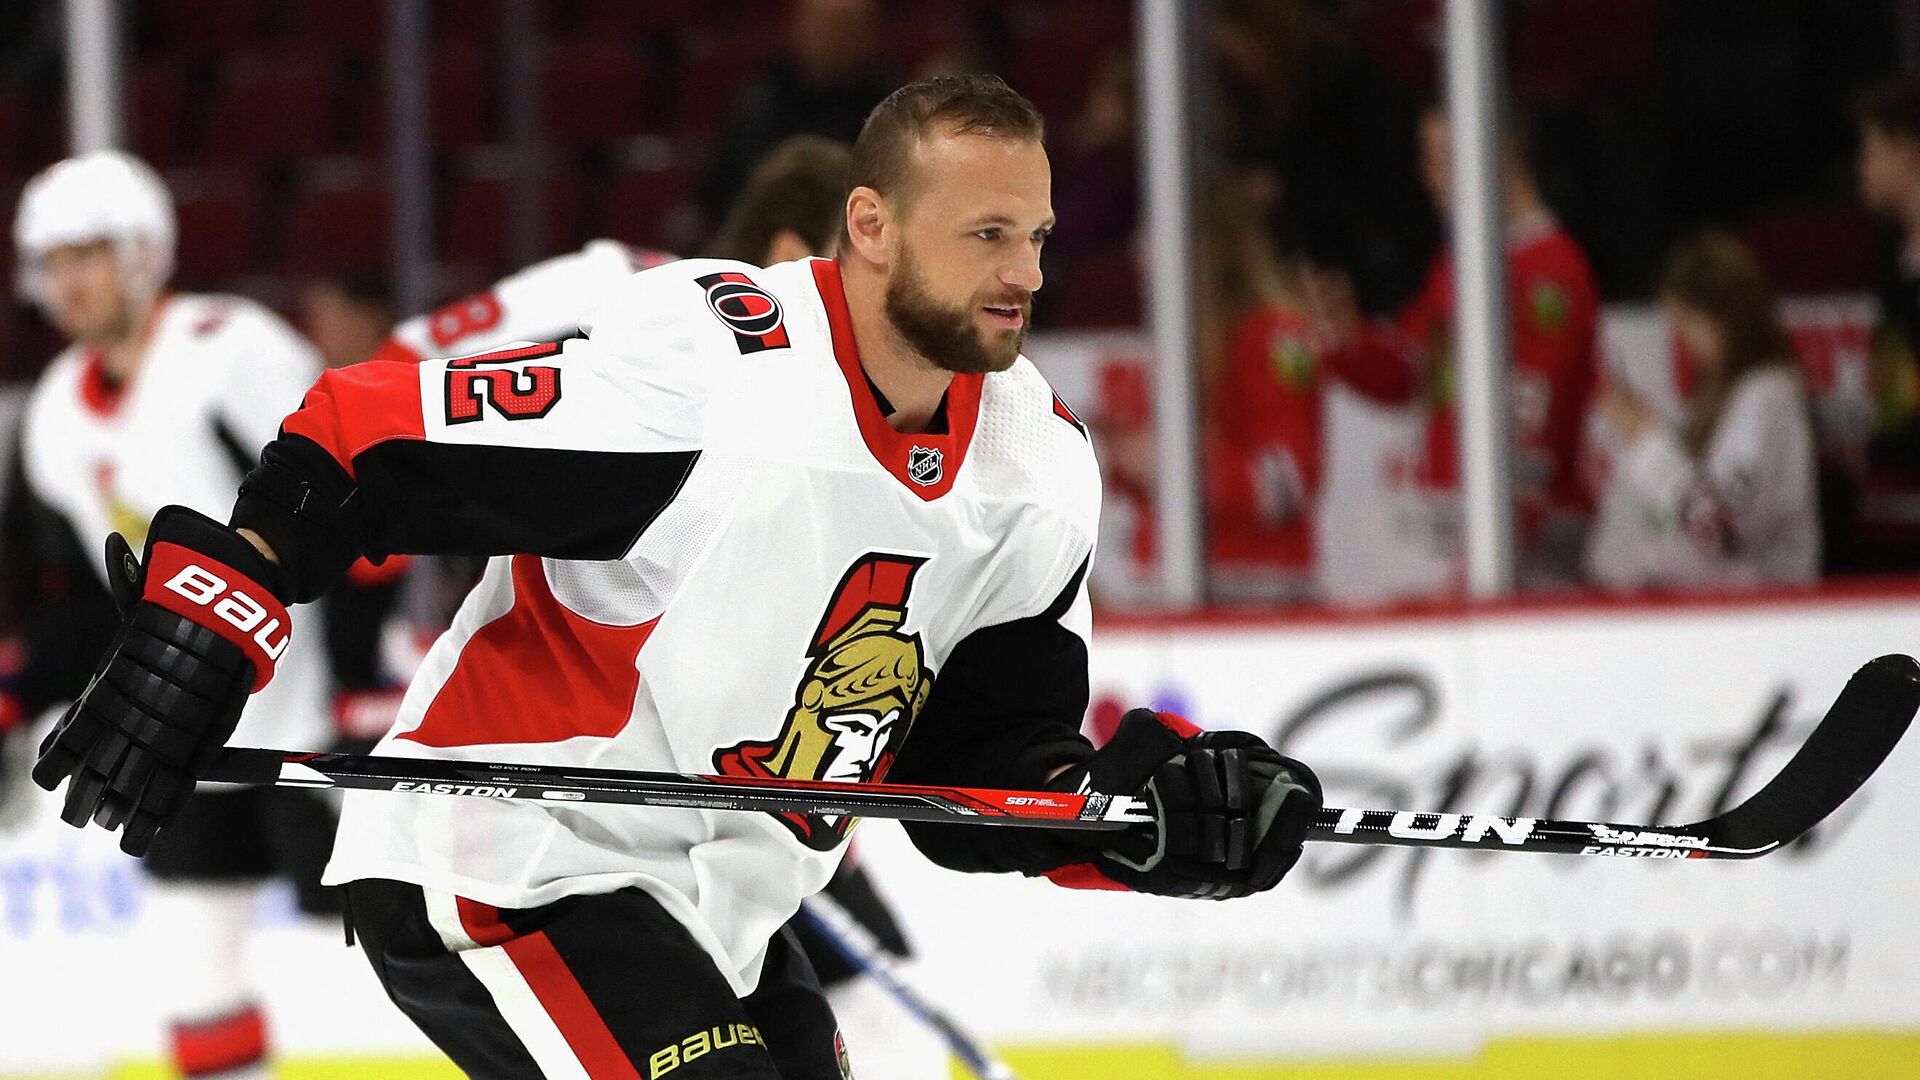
x=1815, y=249
x=156, y=118
x=342, y=24
x=341, y=225
x=639, y=205
x=475, y=225
x=219, y=226
x=460, y=97
x=1103, y=289
x=271, y=106
x=199, y=28
x=591, y=91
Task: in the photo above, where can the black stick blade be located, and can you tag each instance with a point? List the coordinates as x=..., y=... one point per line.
x=1857, y=734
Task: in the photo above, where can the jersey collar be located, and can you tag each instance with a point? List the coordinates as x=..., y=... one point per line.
x=925, y=463
x=101, y=394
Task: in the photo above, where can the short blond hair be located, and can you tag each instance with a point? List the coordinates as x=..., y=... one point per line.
x=946, y=104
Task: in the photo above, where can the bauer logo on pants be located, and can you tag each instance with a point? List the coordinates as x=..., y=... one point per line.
x=669, y=1058
x=864, y=684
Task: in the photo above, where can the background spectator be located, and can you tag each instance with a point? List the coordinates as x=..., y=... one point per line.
x=1726, y=496
x=830, y=77
x=1553, y=306
x=1283, y=324
x=1295, y=93
x=1864, y=538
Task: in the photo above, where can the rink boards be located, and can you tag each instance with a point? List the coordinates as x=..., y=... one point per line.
x=1429, y=959
x=1367, y=963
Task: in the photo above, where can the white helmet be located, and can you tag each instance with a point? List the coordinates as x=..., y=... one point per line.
x=104, y=195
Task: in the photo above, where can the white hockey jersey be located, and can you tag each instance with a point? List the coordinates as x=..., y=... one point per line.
x=1745, y=513
x=218, y=375
x=746, y=571
x=543, y=302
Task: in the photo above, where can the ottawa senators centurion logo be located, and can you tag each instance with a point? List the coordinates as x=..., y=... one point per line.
x=866, y=683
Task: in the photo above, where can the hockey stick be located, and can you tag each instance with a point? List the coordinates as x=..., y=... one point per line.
x=857, y=945
x=558, y=784
x=1858, y=733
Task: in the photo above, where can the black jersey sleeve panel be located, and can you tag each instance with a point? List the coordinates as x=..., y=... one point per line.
x=407, y=496
x=353, y=618
x=1004, y=712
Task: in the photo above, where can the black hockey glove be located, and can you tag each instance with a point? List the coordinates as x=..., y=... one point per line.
x=202, y=625
x=1229, y=812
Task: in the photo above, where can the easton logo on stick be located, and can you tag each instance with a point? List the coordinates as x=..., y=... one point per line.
x=1409, y=825
x=749, y=311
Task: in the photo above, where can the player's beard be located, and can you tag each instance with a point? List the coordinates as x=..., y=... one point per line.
x=948, y=336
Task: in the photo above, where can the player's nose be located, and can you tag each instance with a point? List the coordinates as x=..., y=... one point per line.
x=1023, y=272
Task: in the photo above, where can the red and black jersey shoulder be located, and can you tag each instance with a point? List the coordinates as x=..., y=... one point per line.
x=751, y=312
x=1061, y=410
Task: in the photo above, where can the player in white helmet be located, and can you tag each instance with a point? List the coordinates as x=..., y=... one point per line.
x=105, y=198
x=160, y=398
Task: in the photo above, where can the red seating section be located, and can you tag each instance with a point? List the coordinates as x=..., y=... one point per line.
x=271, y=106
x=337, y=227
x=219, y=228
x=640, y=207
x=591, y=91
x=475, y=226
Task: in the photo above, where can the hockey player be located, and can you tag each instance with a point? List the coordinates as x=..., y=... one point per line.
x=161, y=399
x=791, y=207
x=818, y=520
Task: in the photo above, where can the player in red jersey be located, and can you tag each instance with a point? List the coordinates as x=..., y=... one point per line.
x=1553, y=309
x=1291, y=329
x=1297, y=329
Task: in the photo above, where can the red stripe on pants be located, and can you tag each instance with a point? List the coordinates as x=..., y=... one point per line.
x=482, y=922
x=215, y=1046
x=559, y=993
x=566, y=1001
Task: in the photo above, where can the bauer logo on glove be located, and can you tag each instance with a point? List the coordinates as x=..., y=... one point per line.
x=260, y=622
x=202, y=624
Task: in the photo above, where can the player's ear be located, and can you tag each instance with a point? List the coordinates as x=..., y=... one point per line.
x=870, y=225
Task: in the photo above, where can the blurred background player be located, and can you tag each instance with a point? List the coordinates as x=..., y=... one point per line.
x=1728, y=496
x=160, y=398
x=347, y=315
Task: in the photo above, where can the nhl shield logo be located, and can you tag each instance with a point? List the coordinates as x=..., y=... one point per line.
x=923, y=465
